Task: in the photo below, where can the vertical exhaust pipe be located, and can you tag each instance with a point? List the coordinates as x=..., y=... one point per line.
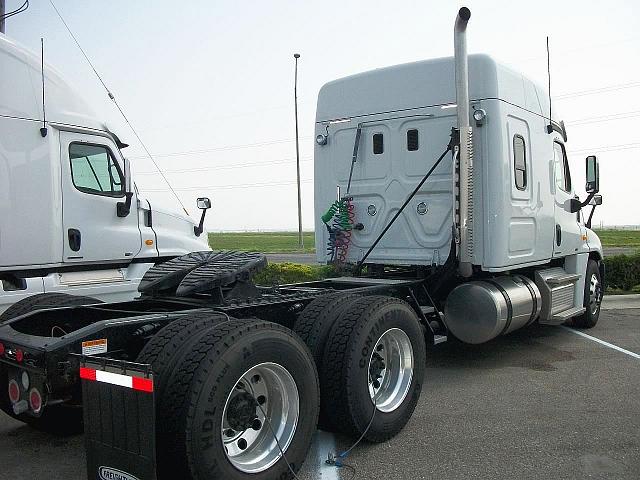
x=465, y=249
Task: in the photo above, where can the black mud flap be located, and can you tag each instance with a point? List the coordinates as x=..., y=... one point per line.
x=119, y=419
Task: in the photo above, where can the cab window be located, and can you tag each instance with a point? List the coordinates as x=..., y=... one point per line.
x=563, y=176
x=95, y=171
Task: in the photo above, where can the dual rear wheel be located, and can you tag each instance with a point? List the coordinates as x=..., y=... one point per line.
x=370, y=354
x=236, y=399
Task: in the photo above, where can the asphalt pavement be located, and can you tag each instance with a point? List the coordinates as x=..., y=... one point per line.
x=543, y=402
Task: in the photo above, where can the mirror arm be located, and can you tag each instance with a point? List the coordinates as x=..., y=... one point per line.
x=124, y=208
x=588, y=224
x=200, y=228
x=589, y=198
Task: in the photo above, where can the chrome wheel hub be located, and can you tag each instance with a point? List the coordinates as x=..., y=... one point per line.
x=390, y=370
x=260, y=417
x=595, y=294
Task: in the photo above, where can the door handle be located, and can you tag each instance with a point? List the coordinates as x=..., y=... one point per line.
x=558, y=235
x=75, y=239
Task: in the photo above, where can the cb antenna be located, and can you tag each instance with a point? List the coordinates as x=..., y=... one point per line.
x=549, y=127
x=43, y=130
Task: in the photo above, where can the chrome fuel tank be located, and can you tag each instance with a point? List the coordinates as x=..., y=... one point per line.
x=479, y=311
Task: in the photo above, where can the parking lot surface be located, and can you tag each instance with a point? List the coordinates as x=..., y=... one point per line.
x=543, y=402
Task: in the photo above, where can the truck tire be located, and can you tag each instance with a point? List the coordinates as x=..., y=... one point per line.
x=314, y=325
x=315, y=322
x=167, y=347
x=375, y=353
x=218, y=391
x=592, y=297
x=45, y=300
x=56, y=419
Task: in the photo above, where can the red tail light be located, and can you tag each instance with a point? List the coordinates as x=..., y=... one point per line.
x=14, y=391
x=19, y=356
x=35, y=400
x=1, y=349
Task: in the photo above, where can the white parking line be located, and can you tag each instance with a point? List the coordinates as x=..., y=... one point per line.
x=602, y=342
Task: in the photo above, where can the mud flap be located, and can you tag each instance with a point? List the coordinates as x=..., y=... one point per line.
x=119, y=419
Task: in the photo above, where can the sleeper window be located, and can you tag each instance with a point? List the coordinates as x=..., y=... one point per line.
x=378, y=144
x=520, y=162
x=94, y=170
x=412, y=140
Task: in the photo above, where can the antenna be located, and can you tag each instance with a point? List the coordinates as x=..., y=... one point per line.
x=43, y=130
x=550, y=126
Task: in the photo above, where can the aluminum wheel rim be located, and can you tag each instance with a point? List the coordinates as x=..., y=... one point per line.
x=274, y=393
x=594, y=294
x=390, y=370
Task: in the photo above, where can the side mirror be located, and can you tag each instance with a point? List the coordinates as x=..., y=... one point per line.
x=596, y=200
x=124, y=208
x=203, y=204
x=593, y=175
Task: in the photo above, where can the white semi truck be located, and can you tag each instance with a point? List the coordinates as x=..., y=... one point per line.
x=449, y=204
x=71, y=218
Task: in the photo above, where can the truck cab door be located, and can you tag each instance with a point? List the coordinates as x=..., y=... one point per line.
x=567, y=235
x=93, y=184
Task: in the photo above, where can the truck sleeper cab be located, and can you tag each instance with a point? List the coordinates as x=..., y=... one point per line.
x=379, y=132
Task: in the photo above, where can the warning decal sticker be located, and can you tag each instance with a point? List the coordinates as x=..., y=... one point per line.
x=94, y=347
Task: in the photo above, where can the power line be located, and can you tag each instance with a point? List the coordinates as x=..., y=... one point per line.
x=229, y=187
x=113, y=98
x=610, y=88
x=17, y=11
x=604, y=118
x=607, y=148
x=222, y=148
x=228, y=167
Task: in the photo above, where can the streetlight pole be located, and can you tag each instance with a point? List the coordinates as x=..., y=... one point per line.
x=295, y=97
x=2, y=10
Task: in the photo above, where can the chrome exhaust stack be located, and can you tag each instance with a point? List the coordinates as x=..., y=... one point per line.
x=465, y=208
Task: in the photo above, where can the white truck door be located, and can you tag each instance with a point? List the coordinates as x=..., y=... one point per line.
x=567, y=230
x=92, y=185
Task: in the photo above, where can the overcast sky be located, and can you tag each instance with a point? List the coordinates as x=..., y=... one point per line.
x=209, y=84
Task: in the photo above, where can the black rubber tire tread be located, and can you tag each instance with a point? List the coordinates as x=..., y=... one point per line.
x=315, y=322
x=338, y=396
x=57, y=419
x=588, y=319
x=45, y=300
x=167, y=347
x=179, y=400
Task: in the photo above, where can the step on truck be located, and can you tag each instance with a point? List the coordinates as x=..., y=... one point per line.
x=443, y=192
x=72, y=220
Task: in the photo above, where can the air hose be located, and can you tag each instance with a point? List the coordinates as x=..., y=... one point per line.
x=339, y=222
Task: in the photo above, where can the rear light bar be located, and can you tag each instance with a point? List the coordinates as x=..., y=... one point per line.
x=1, y=349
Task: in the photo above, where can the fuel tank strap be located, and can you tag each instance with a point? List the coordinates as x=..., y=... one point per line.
x=507, y=301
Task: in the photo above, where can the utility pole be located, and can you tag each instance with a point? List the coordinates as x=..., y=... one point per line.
x=2, y=10
x=295, y=96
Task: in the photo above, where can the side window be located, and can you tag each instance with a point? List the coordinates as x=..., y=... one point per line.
x=94, y=170
x=412, y=140
x=520, y=162
x=378, y=144
x=563, y=176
